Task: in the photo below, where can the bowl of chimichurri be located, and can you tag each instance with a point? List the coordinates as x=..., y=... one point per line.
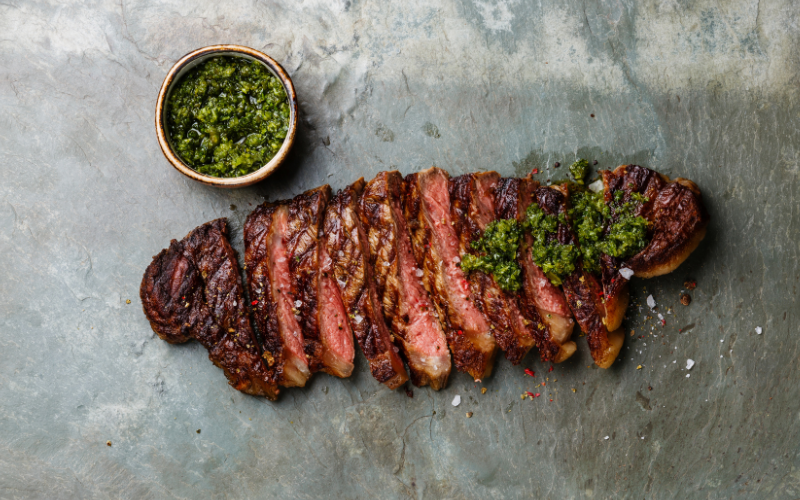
x=226, y=115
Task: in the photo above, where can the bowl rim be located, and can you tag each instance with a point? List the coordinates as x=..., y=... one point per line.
x=228, y=182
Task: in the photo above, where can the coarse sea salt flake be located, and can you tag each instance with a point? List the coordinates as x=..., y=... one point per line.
x=688, y=375
x=418, y=272
x=456, y=400
x=297, y=303
x=596, y=186
x=759, y=330
x=651, y=302
x=689, y=364
x=605, y=437
x=626, y=273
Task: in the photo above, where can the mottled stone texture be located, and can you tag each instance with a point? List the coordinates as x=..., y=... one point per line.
x=703, y=89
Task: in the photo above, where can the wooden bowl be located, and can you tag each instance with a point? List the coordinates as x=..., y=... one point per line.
x=188, y=62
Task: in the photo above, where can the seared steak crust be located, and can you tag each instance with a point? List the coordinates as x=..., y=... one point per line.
x=193, y=290
x=583, y=291
x=472, y=197
x=426, y=205
x=541, y=302
x=347, y=245
x=406, y=304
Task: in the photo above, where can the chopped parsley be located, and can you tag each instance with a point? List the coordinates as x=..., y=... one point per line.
x=497, y=254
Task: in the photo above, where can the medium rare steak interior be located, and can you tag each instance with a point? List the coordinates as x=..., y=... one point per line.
x=347, y=245
x=426, y=203
x=275, y=298
x=385, y=262
x=193, y=290
x=406, y=304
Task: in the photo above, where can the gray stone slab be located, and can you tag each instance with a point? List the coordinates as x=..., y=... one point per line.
x=702, y=89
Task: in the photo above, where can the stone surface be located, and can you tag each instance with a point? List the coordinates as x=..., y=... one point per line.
x=702, y=89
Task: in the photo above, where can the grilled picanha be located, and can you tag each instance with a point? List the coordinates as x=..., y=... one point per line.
x=406, y=304
x=426, y=205
x=473, y=207
x=346, y=244
x=542, y=302
x=193, y=290
x=583, y=290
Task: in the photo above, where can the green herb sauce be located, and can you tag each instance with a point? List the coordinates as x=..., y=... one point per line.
x=613, y=230
x=497, y=256
x=228, y=116
x=554, y=259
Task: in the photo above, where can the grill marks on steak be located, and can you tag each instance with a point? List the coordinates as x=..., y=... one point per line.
x=406, y=305
x=542, y=302
x=426, y=206
x=472, y=197
x=583, y=291
x=676, y=212
x=347, y=245
x=193, y=290
x=270, y=282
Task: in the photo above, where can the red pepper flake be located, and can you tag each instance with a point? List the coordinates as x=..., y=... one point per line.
x=183, y=298
x=551, y=400
x=460, y=332
x=544, y=384
x=532, y=395
x=551, y=369
x=254, y=303
x=663, y=322
x=530, y=372
x=535, y=170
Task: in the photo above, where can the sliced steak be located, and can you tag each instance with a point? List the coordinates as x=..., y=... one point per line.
x=473, y=208
x=347, y=245
x=193, y=290
x=542, y=302
x=275, y=302
x=306, y=216
x=426, y=205
x=406, y=304
x=583, y=291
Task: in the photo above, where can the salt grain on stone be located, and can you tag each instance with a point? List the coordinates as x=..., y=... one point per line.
x=759, y=330
x=456, y=400
x=689, y=364
x=651, y=302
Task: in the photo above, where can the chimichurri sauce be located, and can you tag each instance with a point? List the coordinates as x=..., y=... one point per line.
x=228, y=116
x=497, y=254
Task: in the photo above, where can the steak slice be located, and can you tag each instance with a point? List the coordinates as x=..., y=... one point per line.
x=346, y=244
x=406, y=305
x=426, y=205
x=542, y=302
x=319, y=304
x=193, y=290
x=473, y=208
x=269, y=277
x=583, y=291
